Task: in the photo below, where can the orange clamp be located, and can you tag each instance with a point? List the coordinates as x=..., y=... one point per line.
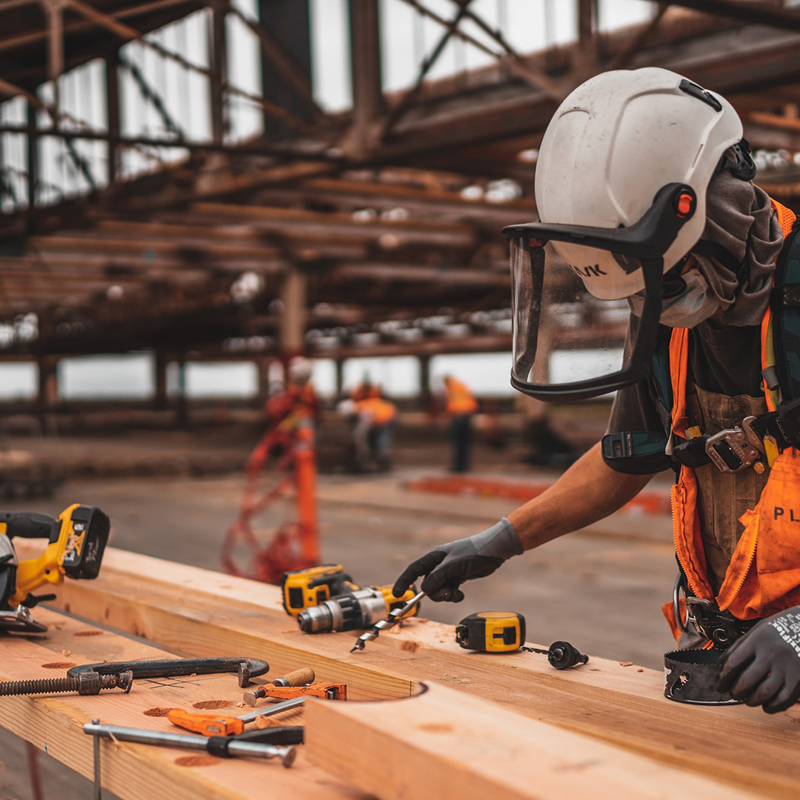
x=207, y=724
x=330, y=691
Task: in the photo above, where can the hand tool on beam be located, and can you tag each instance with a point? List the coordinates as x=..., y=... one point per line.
x=222, y=725
x=504, y=632
x=84, y=683
x=299, y=677
x=221, y=746
x=246, y=668
x=323, y=689
x=390, y=622
x=286, y=705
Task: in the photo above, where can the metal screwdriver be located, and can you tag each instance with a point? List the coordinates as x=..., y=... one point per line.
x=390, y=622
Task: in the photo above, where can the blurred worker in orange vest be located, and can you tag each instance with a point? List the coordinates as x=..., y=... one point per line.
x=365, y=390
x=375, y=419
x=298, y=403
x=460, y=405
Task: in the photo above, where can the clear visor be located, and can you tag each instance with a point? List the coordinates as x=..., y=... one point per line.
x=563, y=336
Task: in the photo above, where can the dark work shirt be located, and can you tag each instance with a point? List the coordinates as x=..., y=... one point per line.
x=723, y=359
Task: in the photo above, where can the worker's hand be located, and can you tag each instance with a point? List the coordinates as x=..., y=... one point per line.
x=447, y=566
x=763, y=667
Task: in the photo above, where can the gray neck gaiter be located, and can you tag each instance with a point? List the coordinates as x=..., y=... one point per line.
x=739, y=217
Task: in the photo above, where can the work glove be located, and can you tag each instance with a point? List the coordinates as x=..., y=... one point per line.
x=447, y=566
x=763, y=667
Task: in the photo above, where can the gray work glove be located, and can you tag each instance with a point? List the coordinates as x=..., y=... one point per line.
x=447, y=566
x=763, y=667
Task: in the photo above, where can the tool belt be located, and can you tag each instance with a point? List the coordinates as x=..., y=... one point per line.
x=721, y=628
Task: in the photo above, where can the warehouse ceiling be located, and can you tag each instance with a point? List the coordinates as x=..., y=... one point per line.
x=388, y=214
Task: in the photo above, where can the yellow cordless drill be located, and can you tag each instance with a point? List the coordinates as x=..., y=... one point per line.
x=303, y=588
x=76, y=542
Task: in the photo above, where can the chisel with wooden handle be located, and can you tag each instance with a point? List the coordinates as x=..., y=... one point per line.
x=299, y=677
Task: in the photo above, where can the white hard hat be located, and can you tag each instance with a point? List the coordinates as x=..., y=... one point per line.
x=612, y=144
x=300, y=370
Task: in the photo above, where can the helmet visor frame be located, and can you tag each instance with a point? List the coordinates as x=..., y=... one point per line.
x=646, y=241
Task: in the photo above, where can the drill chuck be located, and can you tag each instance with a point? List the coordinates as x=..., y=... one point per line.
x=346, y=612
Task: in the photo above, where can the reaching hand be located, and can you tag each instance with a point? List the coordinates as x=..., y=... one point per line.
x=447, y=566
x=763, y=667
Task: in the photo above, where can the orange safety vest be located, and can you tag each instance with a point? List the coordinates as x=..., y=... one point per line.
x=382, y=411
x=763, y=576
x=292, y=407
x=459, y=398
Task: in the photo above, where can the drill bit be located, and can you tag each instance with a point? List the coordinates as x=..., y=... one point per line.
x=392, y=620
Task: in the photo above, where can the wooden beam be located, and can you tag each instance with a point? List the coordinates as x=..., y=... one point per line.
x=54, y=724
x=61, y=244
x=757, y=13
x=128, y=33
x=293, y=316
x=272, y=50
x=586, y=50
x=195, y=611
x=112, y=115
x=444, y=743
x=77, y=27
x=218, y=68
x=366, y=72
x=381, y=195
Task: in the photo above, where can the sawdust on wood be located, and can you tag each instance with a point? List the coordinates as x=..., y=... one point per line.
x=197, y=761
x=213, y=703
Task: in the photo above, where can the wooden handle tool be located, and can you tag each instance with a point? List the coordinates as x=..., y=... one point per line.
x=298, y=677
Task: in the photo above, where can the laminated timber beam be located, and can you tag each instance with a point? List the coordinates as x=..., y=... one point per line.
x=758, y=13
x=359, y=194
x=198, y=612
x=445, y=743
x=54, y=723
x=253, y=221
x=431, y=745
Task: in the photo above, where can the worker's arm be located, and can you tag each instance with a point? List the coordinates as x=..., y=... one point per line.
x=587, y=492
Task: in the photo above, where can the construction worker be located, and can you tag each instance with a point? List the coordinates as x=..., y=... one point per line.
x=288, y=410
x=644, y=190
x=365, y=390
x=374, y=421
x=460, y=406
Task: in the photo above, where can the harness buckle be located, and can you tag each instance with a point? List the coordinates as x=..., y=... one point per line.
x=735, y=449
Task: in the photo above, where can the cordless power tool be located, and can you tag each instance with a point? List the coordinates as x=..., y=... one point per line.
x=304, y=588
x=355, y=610
x=76, y=541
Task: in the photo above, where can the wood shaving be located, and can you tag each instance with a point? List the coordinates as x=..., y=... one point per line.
x=626, y=663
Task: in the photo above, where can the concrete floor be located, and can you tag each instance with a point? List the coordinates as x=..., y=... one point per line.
x=600, y=589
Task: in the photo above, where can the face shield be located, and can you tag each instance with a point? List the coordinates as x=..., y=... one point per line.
x=566, y=345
